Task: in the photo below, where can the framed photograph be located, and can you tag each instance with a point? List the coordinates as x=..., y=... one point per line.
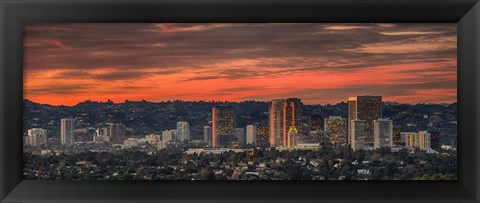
x=239, y=101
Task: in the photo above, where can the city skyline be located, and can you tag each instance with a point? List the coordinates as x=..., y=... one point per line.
x=321, y=63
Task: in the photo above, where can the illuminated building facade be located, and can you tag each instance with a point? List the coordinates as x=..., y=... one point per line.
x=357, y=129
x=383, y=133
x=420, y=140
x=336, y=126
x=293, y=116
x=276, y=122
x=315, y=122
x=397, y=140
x=223, y=126
x=283, y=114
x=368, y=109
x=263, y=135
x=292, y=137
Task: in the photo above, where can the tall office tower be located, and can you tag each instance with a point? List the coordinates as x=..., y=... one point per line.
x=67, y=125
x=434, y=140
x=101, y=135
x=183, y=131
x=263, y=136
x=207, y=134
x=383, y=133
x=283, y=114
x=293, y=116
x=367, y=108
x=37, y=136
x=240, y=135
x=397, y=139
x=357, y=137
x=223, y=126
x=251, y=135
x=292, y=137
x=117, y=133
x=316, y=122
x=168, y=135
x=337, y=127
x=276, y=122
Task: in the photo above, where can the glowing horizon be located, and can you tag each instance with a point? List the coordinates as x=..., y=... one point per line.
x=65, y=64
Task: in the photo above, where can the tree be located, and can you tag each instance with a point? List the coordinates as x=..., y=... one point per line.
x=205, y=174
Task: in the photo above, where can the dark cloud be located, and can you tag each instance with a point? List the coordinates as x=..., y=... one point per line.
x=386, y=90
x=58, y=89
x=241, y=89
x=143, y=46
x=239, y=51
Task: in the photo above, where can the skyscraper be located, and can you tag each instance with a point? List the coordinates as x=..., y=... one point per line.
x=337, y=127
x=251, y=134
x=292, y=137
x=383, y=133
x=207, y=134
x=368, y=109
x=293, y=115
x=283, y=115
x=240, y=135
x=117, y=133
x=183, y=131
x=223, y=126
x=276, y=122
x=67, y=125
x=357, y=129
x=263, y=136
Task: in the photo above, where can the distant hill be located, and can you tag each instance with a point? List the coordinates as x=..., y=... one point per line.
x=142, y=117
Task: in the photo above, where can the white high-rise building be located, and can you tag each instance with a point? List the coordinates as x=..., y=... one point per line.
x=67, y=137
x=251, y=134
x=357, y=134
x=207, y=134
x=183, y=131
x=383, y=133
x=37, y=136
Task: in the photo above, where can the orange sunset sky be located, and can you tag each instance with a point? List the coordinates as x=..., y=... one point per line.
x=65, y=64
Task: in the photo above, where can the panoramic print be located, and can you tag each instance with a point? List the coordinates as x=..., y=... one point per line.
x=235, y=101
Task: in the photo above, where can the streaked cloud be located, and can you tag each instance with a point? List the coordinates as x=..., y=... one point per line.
x=410, y=33
x=235, y=61
x=344, y=27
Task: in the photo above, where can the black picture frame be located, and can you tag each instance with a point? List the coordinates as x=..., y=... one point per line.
x=14, y=13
